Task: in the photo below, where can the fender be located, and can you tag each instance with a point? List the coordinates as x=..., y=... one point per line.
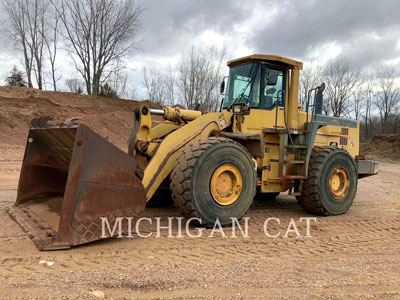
x=177, y=137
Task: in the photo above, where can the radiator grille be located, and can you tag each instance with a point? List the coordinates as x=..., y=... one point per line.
x=343, y=141
x=345, y=131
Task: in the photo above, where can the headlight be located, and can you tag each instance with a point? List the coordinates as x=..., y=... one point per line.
x=237, y=108
x=240, y=109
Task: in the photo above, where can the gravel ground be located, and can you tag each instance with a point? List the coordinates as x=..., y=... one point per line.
x=354, y=256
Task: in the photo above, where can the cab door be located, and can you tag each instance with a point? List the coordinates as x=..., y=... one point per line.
x=273, y=98
x=267, y=101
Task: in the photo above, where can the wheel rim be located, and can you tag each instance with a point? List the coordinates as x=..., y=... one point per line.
x=339, y=183
x=226, y=184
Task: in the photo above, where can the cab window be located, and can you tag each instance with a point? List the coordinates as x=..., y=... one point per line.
x=271, y=94
x=244, y=85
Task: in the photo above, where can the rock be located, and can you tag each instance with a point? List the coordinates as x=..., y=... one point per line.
x=47, y=263
x=98, y=294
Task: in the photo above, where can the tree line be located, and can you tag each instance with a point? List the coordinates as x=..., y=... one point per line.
x=371, y=96
x=99, y=35
x=192, y=82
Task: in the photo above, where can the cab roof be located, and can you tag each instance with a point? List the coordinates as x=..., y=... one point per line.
x=279, y=60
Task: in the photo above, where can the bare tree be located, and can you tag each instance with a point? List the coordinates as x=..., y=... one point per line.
x=98, y=34
x=156, y=83
x=310, y=78
x=37, y=26
x=170, y=82
x=131, y=91
x=74, y=85
x=369, y=97
x=50, y=35
x=118, y=79
x=119, y=83
x=395, y=120
x=27, y=21
x=388, y=96
x=342, y=78
x=357, y=101
x=199, y=73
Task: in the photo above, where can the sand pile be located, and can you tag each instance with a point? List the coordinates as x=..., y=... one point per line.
x=111, y=118
x=384, y=146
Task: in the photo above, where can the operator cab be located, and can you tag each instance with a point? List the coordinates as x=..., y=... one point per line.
x=258, y=81
x=256, y=85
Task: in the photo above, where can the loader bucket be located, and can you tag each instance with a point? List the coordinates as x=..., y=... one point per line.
x=71, y=177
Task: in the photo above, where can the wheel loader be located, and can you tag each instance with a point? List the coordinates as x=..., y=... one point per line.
x=213, y=163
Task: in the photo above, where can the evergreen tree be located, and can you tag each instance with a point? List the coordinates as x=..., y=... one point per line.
x=107, y=91
x=16, y=78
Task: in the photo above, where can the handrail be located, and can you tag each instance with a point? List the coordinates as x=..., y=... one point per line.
x=308, y=105
x=277, y=106
x=284, y=115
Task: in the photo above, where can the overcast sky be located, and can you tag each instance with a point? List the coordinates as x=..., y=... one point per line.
x=366, y=31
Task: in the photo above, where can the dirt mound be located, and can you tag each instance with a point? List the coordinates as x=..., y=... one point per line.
x=384, y=146
x=111, y=118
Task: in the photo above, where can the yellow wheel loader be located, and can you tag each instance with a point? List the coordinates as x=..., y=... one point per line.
x=213, y=163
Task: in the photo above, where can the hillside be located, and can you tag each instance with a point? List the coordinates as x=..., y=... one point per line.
x=111, y=118
x=384, y=147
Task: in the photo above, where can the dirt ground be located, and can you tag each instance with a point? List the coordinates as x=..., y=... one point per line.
x=354, y=256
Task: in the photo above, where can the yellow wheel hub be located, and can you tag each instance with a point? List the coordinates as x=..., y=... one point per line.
x=226, y=184
x=339, y=183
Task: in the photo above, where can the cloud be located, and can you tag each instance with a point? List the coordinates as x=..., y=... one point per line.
x=366, y=30
x=170, y=26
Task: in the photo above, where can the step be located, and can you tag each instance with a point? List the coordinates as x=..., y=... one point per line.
x=294, y=177
x=282, y=131
x=296, y=146
x=294, y=162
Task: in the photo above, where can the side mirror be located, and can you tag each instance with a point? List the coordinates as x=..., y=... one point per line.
x=222, y=87
x=321, y=88
x=319, y=99
x=271, y=78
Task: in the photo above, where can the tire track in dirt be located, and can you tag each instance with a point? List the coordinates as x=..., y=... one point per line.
x=359, y=248
x=343, y=238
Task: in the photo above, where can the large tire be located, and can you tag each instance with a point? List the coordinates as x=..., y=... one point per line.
x=321, y=195
x=192, y=176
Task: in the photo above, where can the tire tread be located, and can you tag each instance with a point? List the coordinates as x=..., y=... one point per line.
x=310, y=199
x=181, y=176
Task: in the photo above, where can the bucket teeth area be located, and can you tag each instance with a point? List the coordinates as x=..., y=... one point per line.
x=70, y=178
x=36, y=228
